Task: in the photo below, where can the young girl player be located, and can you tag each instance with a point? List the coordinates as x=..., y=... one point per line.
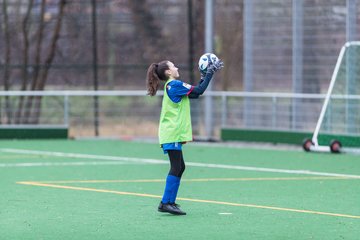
x=175, y=121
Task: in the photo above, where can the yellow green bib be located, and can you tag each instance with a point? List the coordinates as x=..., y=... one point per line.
x=175, y=120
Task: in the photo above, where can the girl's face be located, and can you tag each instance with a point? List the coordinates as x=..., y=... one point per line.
x=173, y=71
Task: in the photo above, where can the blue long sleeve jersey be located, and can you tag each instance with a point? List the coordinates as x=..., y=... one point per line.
x=177, y=89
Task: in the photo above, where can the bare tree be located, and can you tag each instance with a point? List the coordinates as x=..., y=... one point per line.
x=25, y=33
x=27, y=109
x=33, y=109
x=7, y=59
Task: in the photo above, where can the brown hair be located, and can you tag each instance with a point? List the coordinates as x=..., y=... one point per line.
x=155, y=73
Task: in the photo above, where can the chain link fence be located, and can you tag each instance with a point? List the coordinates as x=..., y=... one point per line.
x=286, y=46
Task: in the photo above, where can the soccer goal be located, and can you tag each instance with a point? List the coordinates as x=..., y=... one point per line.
x=338, y=126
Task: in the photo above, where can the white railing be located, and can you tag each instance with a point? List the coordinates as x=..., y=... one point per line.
x=132, y=113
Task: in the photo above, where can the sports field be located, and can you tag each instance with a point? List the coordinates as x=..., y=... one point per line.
x=108, y=189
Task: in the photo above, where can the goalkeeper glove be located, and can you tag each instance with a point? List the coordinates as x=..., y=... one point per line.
x=215, y=67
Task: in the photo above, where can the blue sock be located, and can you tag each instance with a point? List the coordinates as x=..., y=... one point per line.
x=171, y=182
x=175, y=190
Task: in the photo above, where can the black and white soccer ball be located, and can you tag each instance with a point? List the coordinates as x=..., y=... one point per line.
x=206, y=60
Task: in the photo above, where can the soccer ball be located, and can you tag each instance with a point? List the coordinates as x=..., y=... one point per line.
x=205, y=60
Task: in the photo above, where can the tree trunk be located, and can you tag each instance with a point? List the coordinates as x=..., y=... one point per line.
x=6, y=76
x=40, y=84
x=25, y=76
x=30, y=99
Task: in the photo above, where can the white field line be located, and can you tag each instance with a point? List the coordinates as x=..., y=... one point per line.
x=58, y=164
x=157, y=161
x=83, y=156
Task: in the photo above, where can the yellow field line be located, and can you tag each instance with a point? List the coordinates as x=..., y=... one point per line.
x=203, y=180
x=191, y=200
x=106, y=181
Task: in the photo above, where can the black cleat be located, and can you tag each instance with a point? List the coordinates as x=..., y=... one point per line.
x=176, y=205
x=170, y=208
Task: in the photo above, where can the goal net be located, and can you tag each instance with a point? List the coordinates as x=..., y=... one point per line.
x=338, y=126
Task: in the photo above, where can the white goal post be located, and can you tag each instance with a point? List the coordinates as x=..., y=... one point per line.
x=339, y=118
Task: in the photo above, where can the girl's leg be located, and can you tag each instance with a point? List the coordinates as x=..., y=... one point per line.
x=177, y=167
x=179, y=175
